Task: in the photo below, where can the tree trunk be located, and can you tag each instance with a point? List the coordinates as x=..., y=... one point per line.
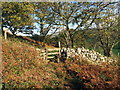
x=68, y=37
x=2, y=30
x=41, y=31
x=71, y=41
x=107, y=52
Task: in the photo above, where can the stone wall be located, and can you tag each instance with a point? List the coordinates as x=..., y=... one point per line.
x=90, y=55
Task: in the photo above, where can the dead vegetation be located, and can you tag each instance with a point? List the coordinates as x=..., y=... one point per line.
x=21, y=68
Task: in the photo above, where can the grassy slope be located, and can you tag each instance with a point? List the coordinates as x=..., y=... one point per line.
x=23, y=69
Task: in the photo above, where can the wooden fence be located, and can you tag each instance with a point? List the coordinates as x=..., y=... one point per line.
x=50, y=54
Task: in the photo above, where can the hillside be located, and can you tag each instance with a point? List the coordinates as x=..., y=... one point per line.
x=23, y=68
x=29, y=41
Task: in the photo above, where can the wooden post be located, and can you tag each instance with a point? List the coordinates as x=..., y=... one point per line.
x=59, y=51
x=5, y=33
x=45, y=54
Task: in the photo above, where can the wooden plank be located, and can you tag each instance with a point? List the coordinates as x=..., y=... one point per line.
x=50, y=57
x=53, y=53
x=53, y=49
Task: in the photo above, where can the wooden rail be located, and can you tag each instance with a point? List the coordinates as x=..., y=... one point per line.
x=49, y=54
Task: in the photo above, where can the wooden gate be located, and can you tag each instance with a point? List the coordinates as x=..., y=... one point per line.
x=50, y=54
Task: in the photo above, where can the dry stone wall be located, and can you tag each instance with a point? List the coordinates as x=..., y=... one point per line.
x=90, y=55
